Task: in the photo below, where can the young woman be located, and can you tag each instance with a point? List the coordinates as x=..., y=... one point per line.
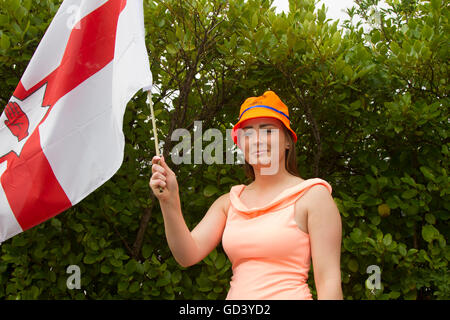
x=271, y=228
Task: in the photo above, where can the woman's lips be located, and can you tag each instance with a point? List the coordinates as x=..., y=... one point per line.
x=258, y=153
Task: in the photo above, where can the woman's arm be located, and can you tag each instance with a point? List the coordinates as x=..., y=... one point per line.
x=325, y=231
x=188, y=248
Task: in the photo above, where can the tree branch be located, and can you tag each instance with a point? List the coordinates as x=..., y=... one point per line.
x=145, y=219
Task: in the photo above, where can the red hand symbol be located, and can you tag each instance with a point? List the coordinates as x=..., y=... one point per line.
x=17, y=121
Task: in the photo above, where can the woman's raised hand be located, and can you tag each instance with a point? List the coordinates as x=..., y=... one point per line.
x=163, y=177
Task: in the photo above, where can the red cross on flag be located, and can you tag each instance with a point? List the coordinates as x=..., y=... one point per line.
x=61, y=132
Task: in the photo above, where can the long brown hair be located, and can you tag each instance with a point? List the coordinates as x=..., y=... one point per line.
x=290, y=160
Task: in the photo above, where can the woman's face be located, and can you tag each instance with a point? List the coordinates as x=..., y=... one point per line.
x=263, y=141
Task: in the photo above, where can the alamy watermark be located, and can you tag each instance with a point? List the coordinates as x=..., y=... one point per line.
x=256, y=146
x=373, y=282
x=73, y=281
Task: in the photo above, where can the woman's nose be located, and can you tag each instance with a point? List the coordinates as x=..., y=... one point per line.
x=259, y=140
x=262, y=135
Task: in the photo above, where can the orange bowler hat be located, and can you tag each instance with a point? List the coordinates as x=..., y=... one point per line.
x=267, y=105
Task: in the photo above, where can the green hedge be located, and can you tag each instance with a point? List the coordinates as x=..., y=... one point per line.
x=370, y=107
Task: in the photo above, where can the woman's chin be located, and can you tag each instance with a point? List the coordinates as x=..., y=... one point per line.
x=260, y=160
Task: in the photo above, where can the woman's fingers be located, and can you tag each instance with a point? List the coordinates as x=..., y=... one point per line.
x=158, y=168
x=164, y=165
x=161, y=166
x=159, y=176
x=158, y=180
x=162, y=178
x=158, y=183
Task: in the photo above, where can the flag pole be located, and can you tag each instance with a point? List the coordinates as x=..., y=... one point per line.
x=150, y=103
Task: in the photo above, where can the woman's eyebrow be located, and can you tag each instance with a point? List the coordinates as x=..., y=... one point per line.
x=261, y=126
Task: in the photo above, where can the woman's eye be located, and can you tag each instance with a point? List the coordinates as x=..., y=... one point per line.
x=250, y=132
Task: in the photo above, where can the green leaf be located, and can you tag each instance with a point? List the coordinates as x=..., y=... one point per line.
x=430, y=218
x=375, y=220
x=78, y=227
x=14, y=5
x=155, y=260
x=321, y=15
x=5, y=42
x=140, y=267
x=255, y=20
x=205, y=285
x=427, y=173
x=356, y=235
x=4, y=19
x=410, y=193
x=130, y=267
x=56, y=223
x=429, y=233
x=338, y=147
x=210, y=190
x=135, y=286
x=291, y=40
x=92, y=244
x=436, y=4
x=171, y=49
x=387, y=240
x=19, y=241
x=353, y=265
x=374, y=169
x=392, y=203
x=395, y=48
x=90, y=258
x=348, y=71
x=146, y=251
x=105, y=269
x=376, y=36
x=176, y=277
x=118, y=253
x=427, y=33
x=115, y=262
x=409, y=180
x=161, y=23
x=383, y=182
x=122, y=286
x=336, y=39
x=402, y=249
x=164, y=280
x=220, y=261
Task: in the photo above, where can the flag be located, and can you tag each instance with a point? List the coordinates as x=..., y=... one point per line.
x=61, y=132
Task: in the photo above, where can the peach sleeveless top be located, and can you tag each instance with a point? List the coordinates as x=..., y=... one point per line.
x=269, y=253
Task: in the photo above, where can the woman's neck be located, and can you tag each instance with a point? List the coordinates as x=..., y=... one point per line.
x=265, y=182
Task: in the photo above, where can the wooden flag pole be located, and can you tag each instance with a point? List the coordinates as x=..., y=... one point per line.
x=150, y=103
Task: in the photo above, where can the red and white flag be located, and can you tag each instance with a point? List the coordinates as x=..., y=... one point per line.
x=61, y=133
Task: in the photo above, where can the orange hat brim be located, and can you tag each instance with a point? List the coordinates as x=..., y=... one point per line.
x=260, y=112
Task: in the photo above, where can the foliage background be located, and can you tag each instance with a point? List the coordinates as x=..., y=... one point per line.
x=369, y=104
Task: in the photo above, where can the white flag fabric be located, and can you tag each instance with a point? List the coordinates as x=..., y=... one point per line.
x=61, y=132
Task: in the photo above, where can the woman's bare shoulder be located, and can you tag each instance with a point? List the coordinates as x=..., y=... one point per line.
x=224, y=201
